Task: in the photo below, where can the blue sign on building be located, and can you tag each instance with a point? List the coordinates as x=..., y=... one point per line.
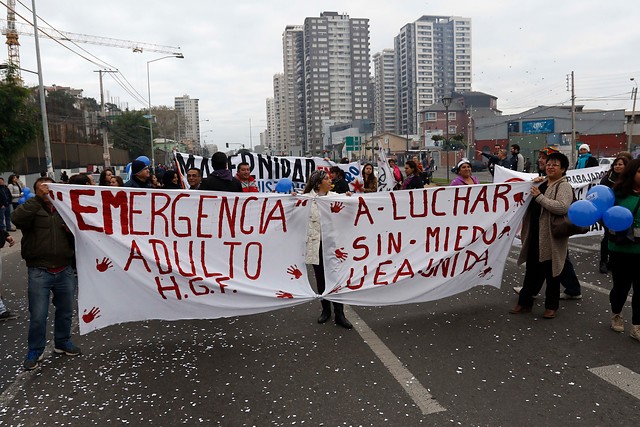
x=538, y=126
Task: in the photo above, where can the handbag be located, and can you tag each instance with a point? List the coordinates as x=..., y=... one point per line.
x=626, y=237
x=561, y=225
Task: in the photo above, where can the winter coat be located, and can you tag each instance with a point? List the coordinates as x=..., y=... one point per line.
x=556, y=200
x=314, y=232
x=15, y=192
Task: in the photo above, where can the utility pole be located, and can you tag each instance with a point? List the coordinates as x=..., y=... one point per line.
x=573, y=122
x=103, y=124
x=634, y=94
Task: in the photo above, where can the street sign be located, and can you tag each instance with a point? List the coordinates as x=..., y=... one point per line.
x=353, y=143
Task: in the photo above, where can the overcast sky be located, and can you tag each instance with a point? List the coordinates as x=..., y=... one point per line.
x=522, y=50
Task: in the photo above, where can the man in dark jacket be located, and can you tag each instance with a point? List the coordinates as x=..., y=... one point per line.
x=5, y=206
x=47, y=249
x=140, y=175
x=221, y=178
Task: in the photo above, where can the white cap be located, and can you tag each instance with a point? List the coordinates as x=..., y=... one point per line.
x=462, y=162
x=585, y=146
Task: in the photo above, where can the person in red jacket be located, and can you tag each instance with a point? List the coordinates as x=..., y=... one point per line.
x=248, y=182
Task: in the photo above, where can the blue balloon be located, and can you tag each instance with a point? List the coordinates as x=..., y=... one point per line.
x=601, y=196
x=583, y=213
x=618, y=218
x=30, y=196
x=127, y=169
x=26, y=191
x=144, y=159
x=285, y=185
x=21, y=200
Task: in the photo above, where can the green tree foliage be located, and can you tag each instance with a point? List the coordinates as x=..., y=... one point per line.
x=19, y=120
x=130, y=131
x=167, y=122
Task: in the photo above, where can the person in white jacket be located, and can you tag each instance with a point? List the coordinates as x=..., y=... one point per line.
x=318, y=185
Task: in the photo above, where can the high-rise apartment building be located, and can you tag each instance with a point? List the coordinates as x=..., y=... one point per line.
x=279, y=124
x=189, y=129
x=336, y=73
x=293, y=133
x=433, y=59
x=385, y=107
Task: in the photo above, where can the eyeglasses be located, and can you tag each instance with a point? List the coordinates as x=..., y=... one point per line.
x=553, y=165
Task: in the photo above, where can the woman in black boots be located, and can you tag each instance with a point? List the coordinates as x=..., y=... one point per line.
x=319, y=185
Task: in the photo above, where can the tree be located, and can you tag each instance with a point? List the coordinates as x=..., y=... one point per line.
x=130, y=131
x=167, y=121
x=19, y=122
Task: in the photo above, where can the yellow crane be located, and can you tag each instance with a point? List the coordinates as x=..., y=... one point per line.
x=11, y=29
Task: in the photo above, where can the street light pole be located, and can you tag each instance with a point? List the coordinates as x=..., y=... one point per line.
x=446, y=101
x=179, y=56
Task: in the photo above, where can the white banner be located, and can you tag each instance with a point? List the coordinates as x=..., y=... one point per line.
x=267, y=170
x=386, y=181
x=170, y=254
x=580, y=179
x=419, y=245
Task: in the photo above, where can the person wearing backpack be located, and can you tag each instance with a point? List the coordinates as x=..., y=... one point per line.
x=624, y=257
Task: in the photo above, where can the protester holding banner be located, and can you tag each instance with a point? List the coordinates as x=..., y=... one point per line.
x=568, y=278
x=340, y=184
x=105, y=177
x=369, y=178
x=609, y=179
x=140, y=175
x=625, y=258
x=413, y=179
x=194, y=178
x=543, y=252
x=465, y=177
x=248, y=182
x=170, y=180
x=221, y=178
x=318, y=185
x=48, y=252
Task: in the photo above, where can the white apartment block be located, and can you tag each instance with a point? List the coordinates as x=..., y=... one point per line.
x=190, y=129
x=336, y=73
x=293, y=133
x=433, y=59
x=279, y=123
x=385, y=107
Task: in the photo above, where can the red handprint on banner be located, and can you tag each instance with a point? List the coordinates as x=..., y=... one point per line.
x=336, y=207
x=506, y=230
x=104, y=265
x=340, y=254
x=285, y=295
x=485, y=272
x=519, y=198
x=93, y=314
x=294, y=271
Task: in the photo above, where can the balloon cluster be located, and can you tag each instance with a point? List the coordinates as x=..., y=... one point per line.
x=26, y=195
x=285, y=186
x=597, y=205
x=143, y=159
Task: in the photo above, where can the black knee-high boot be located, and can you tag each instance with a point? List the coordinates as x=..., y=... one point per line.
x=326, y=311
x=340, y=319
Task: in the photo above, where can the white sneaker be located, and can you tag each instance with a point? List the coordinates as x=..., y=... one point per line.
x=565, y=296
x=617, y=324
x=635, y=332
x=517, y=290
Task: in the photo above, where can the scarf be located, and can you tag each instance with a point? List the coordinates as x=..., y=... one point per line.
x=582, y=160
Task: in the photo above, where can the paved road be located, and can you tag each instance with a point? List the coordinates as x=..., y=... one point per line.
x=459, y=361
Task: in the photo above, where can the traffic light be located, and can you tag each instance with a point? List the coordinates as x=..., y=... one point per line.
x=227, y=145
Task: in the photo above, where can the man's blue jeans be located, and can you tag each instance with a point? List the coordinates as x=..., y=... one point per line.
x=63, y=287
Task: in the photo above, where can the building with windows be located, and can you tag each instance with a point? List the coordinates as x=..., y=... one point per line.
x=385, y=106
x=293, y=132
x=189, y=128
x=433, y=59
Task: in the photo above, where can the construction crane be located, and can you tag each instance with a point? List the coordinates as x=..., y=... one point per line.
x=12, y=29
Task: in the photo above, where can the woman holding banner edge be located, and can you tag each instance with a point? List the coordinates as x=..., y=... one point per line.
x=318, y=185
x=543, y=252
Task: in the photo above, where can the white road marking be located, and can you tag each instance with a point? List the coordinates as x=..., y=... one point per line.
x=417, y=392
x=623, y=378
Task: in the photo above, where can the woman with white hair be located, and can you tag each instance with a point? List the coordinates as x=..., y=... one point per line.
x=465, y=177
